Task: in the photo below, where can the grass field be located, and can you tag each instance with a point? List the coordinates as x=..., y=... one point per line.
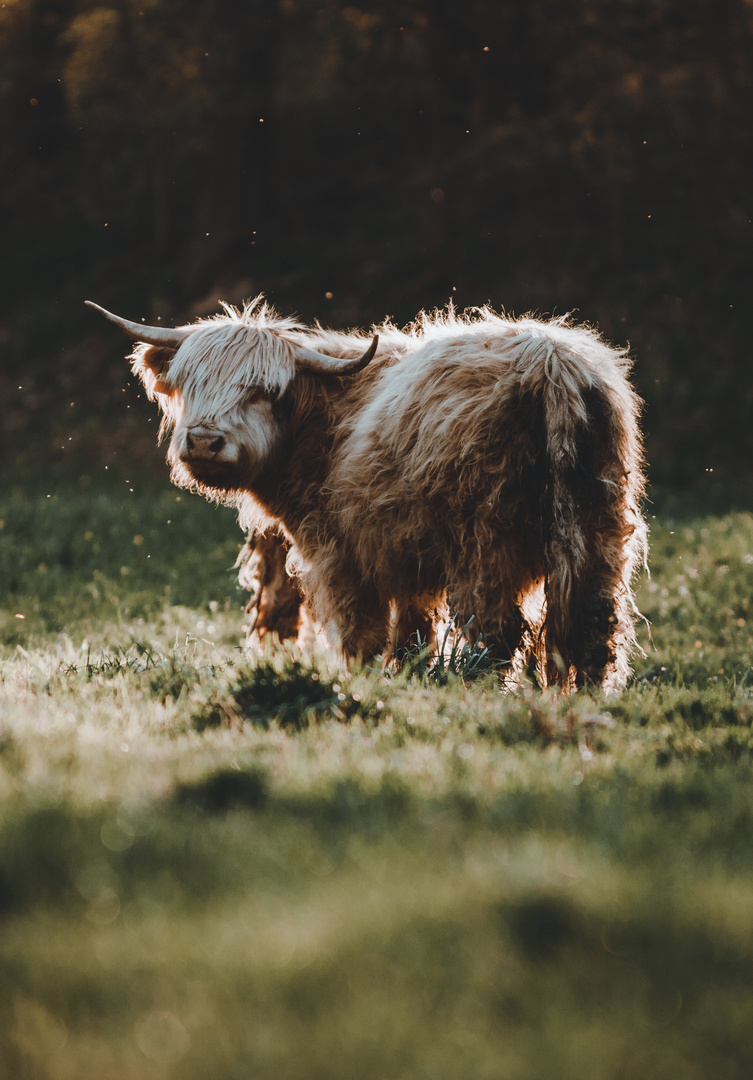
x=215, y=866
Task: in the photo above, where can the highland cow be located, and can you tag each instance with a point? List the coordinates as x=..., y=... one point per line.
x=486, y=462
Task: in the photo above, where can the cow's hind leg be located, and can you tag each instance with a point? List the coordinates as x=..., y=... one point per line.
x=602, y=631
x=600, y=635
x=502, y=636
x=494, y=622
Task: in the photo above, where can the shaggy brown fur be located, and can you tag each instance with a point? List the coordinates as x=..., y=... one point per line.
x=276, y=601
x=491, y=463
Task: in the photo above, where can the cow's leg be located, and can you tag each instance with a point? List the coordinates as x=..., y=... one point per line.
x=276, y=606
x=358, y=615
x=593, y=648
x=364, y=628
x=601, y=632
x=502, y=633
x=486, y=598
x=414, y=623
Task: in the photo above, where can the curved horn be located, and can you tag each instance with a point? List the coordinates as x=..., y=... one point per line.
x=311, y=360
x=172, y=337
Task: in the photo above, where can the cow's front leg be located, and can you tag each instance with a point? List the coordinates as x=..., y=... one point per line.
x=276, y=606
x=356, y=620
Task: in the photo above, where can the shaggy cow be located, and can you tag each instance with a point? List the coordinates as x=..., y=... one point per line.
x=492, y=461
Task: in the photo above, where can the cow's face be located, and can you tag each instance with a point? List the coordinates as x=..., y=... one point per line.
x=217, y=393
x=226, y=452
x=217, y=382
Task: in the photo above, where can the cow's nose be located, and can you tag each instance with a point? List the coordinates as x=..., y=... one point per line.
x=203, y=444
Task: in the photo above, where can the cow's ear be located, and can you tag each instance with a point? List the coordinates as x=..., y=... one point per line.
x=157, y=359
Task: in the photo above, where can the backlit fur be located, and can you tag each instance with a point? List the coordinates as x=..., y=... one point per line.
x=479, y=461
x=276, y=605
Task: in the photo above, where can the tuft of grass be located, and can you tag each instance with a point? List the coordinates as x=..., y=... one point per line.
x=291, y=694
x=456, y=656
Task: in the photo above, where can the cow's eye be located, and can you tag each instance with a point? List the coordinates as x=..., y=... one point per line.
x=252, y=396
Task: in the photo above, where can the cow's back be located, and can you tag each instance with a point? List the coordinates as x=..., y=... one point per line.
x=443, y=443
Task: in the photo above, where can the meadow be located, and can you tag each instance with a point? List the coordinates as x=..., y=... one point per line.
x=222, y=865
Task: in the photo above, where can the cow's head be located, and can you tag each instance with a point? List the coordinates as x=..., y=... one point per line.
x=218, y=383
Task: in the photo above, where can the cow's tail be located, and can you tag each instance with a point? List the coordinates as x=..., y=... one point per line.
x=592, y=532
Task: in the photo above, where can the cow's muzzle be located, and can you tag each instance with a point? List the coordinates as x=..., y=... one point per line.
x=202, y=445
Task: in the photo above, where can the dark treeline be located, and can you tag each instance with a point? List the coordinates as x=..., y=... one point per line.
x=358, y=161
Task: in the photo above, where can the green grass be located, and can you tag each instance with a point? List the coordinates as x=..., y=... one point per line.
x=220, y=866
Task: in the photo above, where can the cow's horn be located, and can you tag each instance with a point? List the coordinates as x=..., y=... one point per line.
x=311, y=360
x=171, y=337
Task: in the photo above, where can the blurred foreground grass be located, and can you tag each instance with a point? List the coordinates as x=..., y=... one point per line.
x=214, y=866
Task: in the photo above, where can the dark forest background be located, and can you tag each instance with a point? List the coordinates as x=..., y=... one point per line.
x=356, y=161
